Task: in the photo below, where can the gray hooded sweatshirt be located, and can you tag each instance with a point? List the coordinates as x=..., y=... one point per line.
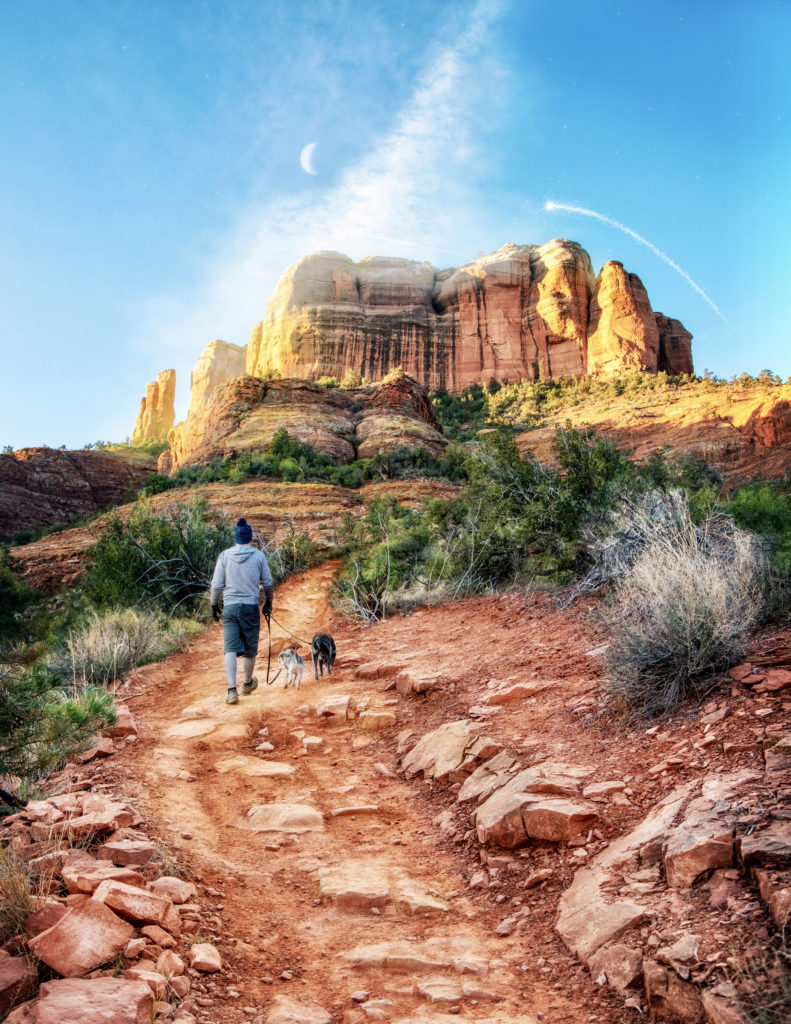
x=238, y=575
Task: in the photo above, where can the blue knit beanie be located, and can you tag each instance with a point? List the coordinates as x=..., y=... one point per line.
x=243, y=532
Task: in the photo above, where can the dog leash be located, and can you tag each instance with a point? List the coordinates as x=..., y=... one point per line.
x=305, y=642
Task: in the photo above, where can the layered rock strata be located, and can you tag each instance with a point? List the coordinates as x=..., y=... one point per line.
x=47, y=486
x=219, y=362
x=157, y=409
x=520, y=312
x=245, y=414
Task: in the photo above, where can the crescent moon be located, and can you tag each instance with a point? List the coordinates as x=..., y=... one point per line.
x=306, y=158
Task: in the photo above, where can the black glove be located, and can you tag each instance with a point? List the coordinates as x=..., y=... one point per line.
x=266, y=611
x=215, y=612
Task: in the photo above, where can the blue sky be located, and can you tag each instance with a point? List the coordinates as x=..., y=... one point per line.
x=151, y=191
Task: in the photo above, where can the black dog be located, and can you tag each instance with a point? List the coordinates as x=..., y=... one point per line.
x=322, y=650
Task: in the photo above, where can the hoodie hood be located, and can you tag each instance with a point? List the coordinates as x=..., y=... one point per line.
x=241, y=552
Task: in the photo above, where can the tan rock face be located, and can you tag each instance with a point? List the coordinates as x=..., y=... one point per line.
x=157, y=411
x=219, y=362
x=623, y=332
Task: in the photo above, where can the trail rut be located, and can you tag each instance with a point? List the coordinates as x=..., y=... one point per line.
x=371, y=900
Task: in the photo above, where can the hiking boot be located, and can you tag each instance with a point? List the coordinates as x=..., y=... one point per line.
x=249, y=687
x=233, y=697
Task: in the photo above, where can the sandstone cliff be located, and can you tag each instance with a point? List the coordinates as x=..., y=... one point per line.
x=219, y=362
x=46, y=486
x=245, y=414
x=522, y=311
x=157, y=412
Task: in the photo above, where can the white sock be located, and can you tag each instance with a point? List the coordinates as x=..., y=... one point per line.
x=230, y=669
x=249, y=666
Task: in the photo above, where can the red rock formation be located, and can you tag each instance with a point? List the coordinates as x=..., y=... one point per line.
x=46, y=486
x=157, y=413
x=675, y=345
x=246, y=413
x=520, y=312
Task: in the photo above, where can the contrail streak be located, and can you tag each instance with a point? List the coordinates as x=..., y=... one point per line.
x=550, y=205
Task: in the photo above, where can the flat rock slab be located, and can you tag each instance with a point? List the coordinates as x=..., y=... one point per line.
x=82, y=873
x=285, y=817
x=87, y=937
x=285, y=1010
x=431, y=956
x=188, y=730
x=362, y=886
x=374, y=721
x=94, y=1001
x=335, y=706
x=255, y=767
x=134, y=904
x=174, y=889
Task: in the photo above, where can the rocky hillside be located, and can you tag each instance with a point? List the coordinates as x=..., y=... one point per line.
x=47, y=486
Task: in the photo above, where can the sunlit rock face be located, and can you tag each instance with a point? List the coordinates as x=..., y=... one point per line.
x=622, y=334
x=157, y=411
x=675, y=345
x=522, y=311
x=219, y=362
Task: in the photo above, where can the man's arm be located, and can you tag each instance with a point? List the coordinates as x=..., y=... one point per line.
x=217, y=587
x=268, y=586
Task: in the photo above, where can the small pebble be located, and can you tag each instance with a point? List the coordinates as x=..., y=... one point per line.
x=286, y=976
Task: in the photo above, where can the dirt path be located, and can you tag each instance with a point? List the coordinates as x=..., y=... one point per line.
x=373, y=901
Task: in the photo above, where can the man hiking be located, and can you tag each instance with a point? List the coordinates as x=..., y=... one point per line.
x=239, y=575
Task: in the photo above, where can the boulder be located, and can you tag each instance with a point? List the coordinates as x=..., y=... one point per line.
x=174, y=889
x=103, y=746
x=286, y=1010
x=132, y=903
x=696, y=849
x=333, y=706
x=87, y=937
x=124, y=724
x=205, y=957
x=439, y=752
x=18, y=978
x=94, y=1001
x=170, y=964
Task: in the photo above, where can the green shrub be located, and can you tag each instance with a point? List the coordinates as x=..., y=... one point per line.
x=163, y=560
x=765, y=509
x=41, y=725
x=17, y=601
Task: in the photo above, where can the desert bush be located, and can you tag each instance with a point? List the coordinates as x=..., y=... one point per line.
x=41, y=725
x=295, y=553
x=765, y=509
x=163, y=560
x=16, y=603
x=686, y=596
x=111, y=642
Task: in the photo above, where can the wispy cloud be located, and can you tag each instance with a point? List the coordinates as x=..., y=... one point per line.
x=406, y=196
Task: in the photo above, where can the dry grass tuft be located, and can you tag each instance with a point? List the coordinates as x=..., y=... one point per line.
x=686, y=595
x=22, y=888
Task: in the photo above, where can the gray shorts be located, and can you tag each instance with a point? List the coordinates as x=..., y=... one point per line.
x=240, y=626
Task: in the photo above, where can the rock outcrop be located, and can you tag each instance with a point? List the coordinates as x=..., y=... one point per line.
x=675, y=345
x=157, y=410
x=46, y=486
x=622, y=334
x=245, y=414
x=522, y=311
